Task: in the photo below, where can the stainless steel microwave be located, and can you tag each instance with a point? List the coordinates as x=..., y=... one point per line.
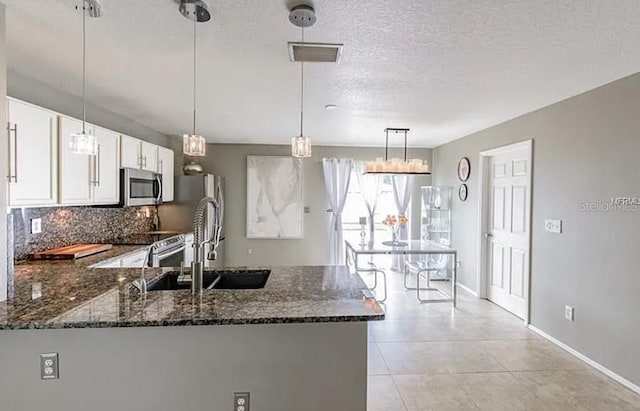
x=140, y=188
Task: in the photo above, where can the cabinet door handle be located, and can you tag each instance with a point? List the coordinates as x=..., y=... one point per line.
x=15, y=153
x=92, y=170
x=9, y=176
x=12, y=176
x=97, y=165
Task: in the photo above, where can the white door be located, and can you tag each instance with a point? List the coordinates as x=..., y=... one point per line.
x=165, y=167
x=149, y=156
x=76, y=170
x=107, y=167
x=33, y=155
x=129, y=152
x=509, y=195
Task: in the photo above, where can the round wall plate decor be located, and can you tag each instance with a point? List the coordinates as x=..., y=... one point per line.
x=463, y=192
x=464, y=169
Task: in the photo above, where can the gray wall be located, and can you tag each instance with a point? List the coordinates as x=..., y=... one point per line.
x=3, y=155
x=36, y=92
x=310, y=367
x=229, y=160
x=585, y=149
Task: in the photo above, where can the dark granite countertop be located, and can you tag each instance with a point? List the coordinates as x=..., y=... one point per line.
x=64, y=294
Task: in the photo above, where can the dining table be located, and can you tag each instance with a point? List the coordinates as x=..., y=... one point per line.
x=412, y=249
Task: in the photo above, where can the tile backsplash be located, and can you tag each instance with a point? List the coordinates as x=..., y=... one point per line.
x=63, y=226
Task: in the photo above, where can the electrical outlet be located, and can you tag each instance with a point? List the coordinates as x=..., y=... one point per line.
x=249, y=251
x=36, y=225
x=553, y=226
x=240, y=401
x=569, y=313
x=307, y=209
x=49, y=366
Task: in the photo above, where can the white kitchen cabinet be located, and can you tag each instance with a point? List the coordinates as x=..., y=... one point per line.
x=130, y=152
x=149, y=156
x=76, y=170
x=138, y=154
x=165, y=167
x=33, y=155
x=107, y=168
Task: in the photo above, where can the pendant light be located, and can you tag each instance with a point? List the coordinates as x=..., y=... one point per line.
x=194, y=144
x=396, y=166
x=302, y=16
x=83, y=142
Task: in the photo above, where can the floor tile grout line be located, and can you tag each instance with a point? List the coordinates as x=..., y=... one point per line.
x=384, y=360
x=404, y=404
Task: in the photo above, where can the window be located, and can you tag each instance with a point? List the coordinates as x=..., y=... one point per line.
x=355, y=208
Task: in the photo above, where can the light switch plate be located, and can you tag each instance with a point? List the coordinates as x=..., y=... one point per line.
x=553, y=226
x=569, y=313
x=49, y=366
x=36, y=225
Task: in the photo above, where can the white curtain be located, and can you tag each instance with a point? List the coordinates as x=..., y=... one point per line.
x=337, y=174
x=402, y=190
x=370, y=187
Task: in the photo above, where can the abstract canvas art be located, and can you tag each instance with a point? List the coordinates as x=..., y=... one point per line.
x=274, y=197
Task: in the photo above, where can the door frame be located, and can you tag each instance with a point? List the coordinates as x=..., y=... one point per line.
x=483, y=219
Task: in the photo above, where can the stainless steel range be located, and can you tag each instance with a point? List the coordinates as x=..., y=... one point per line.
x=168, y=252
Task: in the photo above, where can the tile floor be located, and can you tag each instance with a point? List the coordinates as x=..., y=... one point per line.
x=476, y=357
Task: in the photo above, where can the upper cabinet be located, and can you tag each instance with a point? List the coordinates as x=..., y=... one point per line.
x=130, y=152
x=138, y=154
x=89, y=180
x=107, y=168
x=32, y=171
x=42, y=170
x=149, y=156
x=77, y=177
x=165, y=167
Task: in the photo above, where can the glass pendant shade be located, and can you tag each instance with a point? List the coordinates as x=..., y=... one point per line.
x=83, y=143
x=301, y=147
x=194, y=145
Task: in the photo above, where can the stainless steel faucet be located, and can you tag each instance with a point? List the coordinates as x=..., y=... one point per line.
x=199, y=221
x=142, y=283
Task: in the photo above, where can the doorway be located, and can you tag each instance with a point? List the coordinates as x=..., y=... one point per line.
x=505, y=227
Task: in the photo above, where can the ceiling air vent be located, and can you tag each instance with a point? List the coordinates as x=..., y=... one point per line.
x=315, y=52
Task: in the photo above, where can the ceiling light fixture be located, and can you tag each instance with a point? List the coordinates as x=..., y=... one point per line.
x=302, y=16
x=194, y=144
x=396, y=166
x=84, y=143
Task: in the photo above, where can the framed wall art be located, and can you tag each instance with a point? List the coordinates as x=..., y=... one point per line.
x=275, y=206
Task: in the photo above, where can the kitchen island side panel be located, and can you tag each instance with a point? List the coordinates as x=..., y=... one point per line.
x=311, y=367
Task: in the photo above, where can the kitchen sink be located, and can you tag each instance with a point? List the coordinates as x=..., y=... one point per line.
x=212, y=280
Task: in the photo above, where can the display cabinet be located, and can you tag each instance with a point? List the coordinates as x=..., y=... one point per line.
x=436, y=226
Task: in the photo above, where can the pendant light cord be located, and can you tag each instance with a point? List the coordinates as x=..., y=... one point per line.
x=302, y=90
x=84, y=64
x=195, y=25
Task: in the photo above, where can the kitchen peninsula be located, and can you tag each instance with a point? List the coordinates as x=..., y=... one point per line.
x=288, y=344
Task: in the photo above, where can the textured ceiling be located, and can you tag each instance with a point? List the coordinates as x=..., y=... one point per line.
x=444, y=68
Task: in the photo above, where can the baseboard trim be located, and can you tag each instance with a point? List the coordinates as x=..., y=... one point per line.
x=467, y=289
x=589, y=361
